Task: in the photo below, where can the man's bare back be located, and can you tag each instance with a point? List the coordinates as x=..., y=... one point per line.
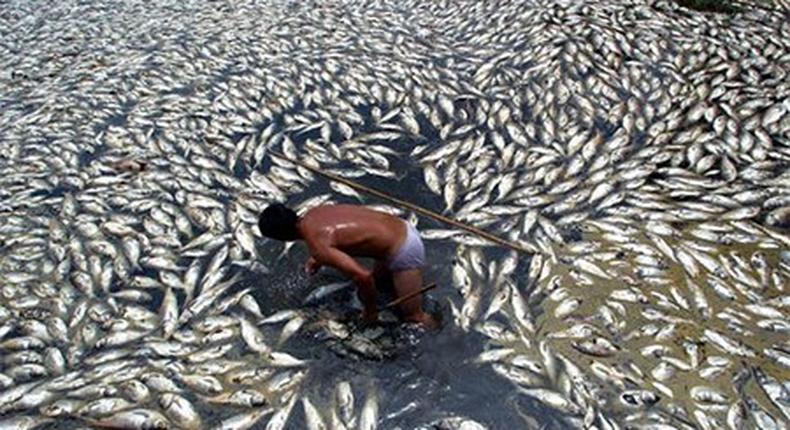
x=336, y=234
x=357, y=231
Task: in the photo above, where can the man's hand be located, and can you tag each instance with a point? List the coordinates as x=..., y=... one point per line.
x=365, y=279
x=329, y=255
x=312, y=266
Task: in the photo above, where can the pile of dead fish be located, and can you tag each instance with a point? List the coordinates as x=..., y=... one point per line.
x=640, y=150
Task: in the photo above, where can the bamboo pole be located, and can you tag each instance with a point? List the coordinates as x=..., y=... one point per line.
x=400, y=300
x=759, y=6
x=420, y=210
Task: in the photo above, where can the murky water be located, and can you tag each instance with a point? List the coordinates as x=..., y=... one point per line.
x=426, y=376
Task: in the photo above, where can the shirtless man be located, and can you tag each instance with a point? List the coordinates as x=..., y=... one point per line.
x=335, y=234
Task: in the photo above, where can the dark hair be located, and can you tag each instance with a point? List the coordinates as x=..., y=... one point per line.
x=279, y=222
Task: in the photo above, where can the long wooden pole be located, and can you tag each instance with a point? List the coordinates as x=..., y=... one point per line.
x=420, y=210
x=759, y=6
x=400, y=300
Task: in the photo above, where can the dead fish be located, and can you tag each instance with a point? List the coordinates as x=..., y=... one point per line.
x=245, y=397
x=597, y=347
x=325, y=290
x=454, y=423
x=244, y=420
x=133, y=418
x=180, y=411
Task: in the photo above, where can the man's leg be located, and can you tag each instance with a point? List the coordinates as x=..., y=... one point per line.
x=383, y=278
x=407, y=282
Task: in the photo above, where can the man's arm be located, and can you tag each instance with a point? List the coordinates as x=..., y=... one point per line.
x=343, y=262
x=331, y=256
x=312, y=266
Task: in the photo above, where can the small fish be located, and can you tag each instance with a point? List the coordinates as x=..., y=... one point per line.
x=133, y=418
x=567, y=307
x=24, y=422
x=344, y=397
x=245, y=397
x=280, y=316
x=494, y=355
x=368, y=417
x=244, y=420
x=282, y=359
x=291, y=328
x=280, y=417
x=102, y=407
x=325, y=290
x=169, y=313
x=180, y=411
x=313, y=418
x=597, y=347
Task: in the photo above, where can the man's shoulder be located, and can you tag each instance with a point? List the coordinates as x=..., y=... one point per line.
x=313, y=224
x=319, y=209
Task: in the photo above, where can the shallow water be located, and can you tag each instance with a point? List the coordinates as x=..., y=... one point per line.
x=429, y=376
